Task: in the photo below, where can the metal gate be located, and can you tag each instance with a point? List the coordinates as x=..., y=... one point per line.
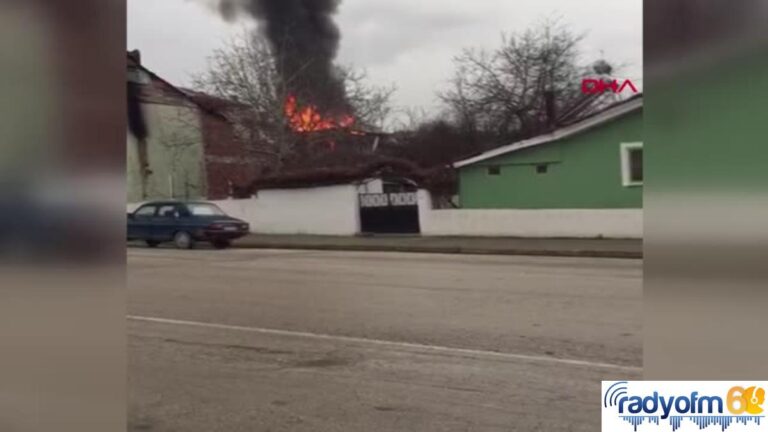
x=389, y=213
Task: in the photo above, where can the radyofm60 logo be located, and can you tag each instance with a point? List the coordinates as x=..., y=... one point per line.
x=684, y=406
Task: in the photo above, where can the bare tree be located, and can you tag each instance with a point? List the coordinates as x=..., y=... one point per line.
x=370, y=104
x=247, y=72
x=518, y=89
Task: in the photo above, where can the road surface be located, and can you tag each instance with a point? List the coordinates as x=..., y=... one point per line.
x=268, y=340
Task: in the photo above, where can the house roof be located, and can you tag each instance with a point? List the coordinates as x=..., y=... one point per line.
x=377, y=167
x=215, y=103
x=134, y=61
x=609, y=113
x=332, y=175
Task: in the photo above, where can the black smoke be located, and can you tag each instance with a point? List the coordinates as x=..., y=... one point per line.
x=304, y=39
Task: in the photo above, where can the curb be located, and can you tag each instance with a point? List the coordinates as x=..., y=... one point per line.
x=445, y=250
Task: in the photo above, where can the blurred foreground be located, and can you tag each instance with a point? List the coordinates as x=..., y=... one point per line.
x=62, y=147
x=706, y=194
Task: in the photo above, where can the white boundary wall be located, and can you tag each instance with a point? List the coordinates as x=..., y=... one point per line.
x=334, y=210
x=568, y=223
x=330, y=210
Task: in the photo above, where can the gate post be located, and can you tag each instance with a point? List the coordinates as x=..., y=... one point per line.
x=425, y=210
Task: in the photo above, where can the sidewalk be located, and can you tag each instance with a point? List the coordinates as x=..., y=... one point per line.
x=601, y=248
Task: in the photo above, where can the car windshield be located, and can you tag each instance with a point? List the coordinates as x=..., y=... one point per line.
x=205, y=210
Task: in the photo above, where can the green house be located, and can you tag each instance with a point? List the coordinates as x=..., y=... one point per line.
x=596, y=163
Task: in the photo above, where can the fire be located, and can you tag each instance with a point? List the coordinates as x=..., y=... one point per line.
x=309, y=119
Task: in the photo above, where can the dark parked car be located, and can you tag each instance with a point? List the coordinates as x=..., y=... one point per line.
x=184, y=224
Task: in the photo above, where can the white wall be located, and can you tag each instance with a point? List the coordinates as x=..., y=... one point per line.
x=331, y=210
x=371, y=186
x=576, y=223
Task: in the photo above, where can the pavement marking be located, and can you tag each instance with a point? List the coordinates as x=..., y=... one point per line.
x=379, y=342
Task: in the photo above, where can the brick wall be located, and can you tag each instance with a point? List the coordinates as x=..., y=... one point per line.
x=227, y=159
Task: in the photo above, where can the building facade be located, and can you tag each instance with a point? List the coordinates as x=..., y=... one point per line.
x=190, y=150
x=593, y=164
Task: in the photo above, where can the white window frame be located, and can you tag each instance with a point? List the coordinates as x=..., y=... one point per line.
x=626, y=177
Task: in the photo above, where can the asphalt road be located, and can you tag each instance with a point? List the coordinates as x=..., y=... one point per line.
x=266, y=340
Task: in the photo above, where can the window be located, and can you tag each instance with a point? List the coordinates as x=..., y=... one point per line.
x=541, y=169
x=146, y=211
x=632, y=164
x=494, y=170
x=167, y=211
x=205, y=210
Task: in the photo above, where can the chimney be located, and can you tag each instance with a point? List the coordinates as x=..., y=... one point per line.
x=135, y=55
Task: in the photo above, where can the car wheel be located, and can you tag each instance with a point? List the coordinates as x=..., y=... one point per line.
x=183, y=240
x=221, y=244
x=152, y=243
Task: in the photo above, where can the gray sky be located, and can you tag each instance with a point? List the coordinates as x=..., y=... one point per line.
x=409, y=43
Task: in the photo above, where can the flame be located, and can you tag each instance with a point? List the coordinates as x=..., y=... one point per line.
x=309, y=119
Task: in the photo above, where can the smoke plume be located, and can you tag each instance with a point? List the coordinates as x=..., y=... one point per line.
x=304, y=39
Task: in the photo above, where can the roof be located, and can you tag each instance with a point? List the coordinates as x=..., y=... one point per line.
x=334, y=175
x=609, y=113
x=378, y=167
x=215, y=103
x=134, y=60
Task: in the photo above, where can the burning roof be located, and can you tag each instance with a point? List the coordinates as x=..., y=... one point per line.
x=308, y=118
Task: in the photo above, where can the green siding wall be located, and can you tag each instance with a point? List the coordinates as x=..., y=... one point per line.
x=175, y=150
x=583, y=171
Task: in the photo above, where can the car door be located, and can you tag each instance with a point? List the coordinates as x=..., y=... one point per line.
x=139, y=227
x=166, y=222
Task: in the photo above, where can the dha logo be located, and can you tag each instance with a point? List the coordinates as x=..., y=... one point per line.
x=600, y=86
x=704, y=404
